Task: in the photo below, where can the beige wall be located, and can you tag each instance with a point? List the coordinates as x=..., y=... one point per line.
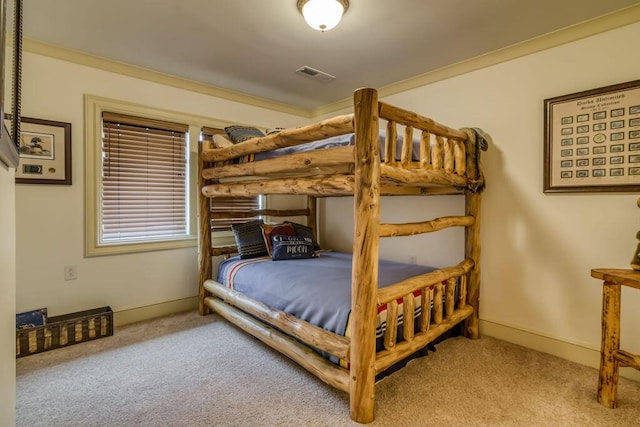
x=7, y=297
x=50, y=224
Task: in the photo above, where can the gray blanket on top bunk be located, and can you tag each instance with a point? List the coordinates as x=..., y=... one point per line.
x=337, y=141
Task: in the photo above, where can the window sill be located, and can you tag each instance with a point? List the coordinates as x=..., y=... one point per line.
x=128, y=248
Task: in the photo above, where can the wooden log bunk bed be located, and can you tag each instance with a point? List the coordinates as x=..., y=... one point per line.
x=448, y=163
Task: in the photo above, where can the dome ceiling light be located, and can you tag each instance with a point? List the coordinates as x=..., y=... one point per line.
x=322, y=15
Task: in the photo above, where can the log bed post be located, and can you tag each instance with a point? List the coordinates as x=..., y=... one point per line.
x=204, y=252
x=472, y=236
x=312, y=218
x=364, y=284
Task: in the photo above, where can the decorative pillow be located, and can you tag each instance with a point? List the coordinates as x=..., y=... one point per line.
x=271, y=230
x=249, y=239
x=291, y=247
x=305, y=231
x=242, y=133
x=221, y=140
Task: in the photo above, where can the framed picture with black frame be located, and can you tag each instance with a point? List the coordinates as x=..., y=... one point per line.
x=592, y=140
x=45, y=152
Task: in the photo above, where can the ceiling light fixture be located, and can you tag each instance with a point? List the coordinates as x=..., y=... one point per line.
x=323, y=15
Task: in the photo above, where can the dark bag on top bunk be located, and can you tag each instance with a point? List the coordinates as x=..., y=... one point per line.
x=291, y=247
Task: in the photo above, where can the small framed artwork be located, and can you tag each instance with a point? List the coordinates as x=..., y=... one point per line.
x=606, y=123
x=45, y=152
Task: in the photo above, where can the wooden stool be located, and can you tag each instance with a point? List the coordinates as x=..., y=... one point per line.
x=611, y=357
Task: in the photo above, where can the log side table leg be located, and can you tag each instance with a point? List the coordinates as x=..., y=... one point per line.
x=609, y=365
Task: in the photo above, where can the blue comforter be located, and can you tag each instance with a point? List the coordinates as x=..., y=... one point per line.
x=317, y=290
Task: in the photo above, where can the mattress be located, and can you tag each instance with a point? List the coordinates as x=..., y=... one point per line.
x=316, y=290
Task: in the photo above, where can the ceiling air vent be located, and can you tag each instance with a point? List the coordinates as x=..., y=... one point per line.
x=315, y=74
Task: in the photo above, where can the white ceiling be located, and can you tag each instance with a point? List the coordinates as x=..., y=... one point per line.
x=255, y=46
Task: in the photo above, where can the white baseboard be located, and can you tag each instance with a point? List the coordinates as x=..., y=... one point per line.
x=124, y=317
x=565, y=350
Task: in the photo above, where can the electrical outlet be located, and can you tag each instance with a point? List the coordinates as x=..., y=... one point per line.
x=70, y=272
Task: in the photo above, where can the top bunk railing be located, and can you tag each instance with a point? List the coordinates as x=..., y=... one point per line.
x=409, y=118
x=335, y=126
x=429, y=156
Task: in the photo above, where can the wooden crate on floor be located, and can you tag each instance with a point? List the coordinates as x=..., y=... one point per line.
x=65, y=330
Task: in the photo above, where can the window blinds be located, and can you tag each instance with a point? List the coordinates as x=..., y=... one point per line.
x=144, y=185
x=226, y=211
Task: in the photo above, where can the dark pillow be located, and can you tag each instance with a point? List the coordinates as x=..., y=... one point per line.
x=305, y=231
x=270, y=230
x=291, y=247
x=249, y=239
x=242, y=133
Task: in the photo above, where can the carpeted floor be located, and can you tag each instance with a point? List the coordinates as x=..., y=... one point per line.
x=187, y=370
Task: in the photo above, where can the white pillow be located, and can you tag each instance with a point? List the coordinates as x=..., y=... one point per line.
x=221, y=140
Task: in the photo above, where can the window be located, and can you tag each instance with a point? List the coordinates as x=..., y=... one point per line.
x=141, y=179
x=143, y=191
x=226, y=211
x=138, y=177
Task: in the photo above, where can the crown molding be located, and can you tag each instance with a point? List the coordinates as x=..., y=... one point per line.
x=93, y=61
x=601, y=24
x=623, y=17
